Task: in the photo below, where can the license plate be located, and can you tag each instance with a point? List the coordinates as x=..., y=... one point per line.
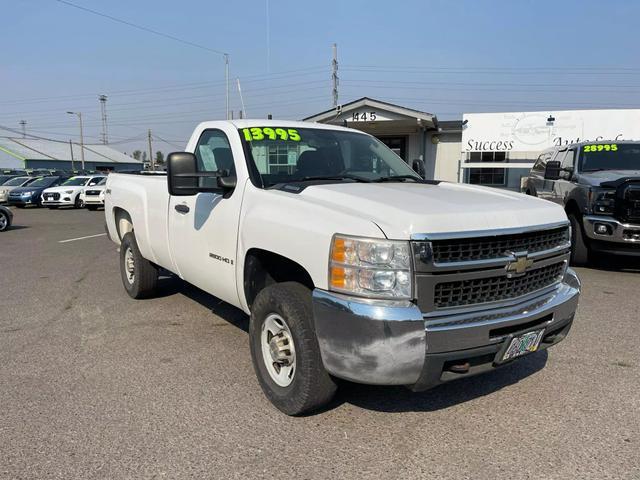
x=522, y=344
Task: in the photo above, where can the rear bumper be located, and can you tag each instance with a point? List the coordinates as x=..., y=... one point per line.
x=394, y=344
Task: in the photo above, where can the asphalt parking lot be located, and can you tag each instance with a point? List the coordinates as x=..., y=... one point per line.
x=94, y=384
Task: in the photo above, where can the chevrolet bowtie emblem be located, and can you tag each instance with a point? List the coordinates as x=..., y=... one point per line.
x=520, y=265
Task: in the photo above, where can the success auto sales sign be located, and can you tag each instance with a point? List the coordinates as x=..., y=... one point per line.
x=535, y=131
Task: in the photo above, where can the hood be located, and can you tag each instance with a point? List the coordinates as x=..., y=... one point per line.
x=62, y=188
x=99, y=188
x=403, y=209
x=595, y=179
x=17, y=190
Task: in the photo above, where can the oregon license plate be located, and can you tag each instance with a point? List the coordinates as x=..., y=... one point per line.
x=522, y=344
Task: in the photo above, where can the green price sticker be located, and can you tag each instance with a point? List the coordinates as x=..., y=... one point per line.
x=601, y=147
x=261, y=133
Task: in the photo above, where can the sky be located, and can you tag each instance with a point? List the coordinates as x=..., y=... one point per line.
x=443, y=57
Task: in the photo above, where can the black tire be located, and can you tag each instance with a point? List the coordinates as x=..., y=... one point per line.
x=79, y=203
x=5, y=221
x=93, y=208
x=311, y=387
x=579, y=247
x=145, y=275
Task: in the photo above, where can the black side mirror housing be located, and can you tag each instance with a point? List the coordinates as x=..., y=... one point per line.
x=418, y=167
x=182, y=174
x=552, y=170
x=183, y=178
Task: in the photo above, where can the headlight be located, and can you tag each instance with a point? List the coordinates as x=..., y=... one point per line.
x=68, y=191
x=27, y=194
x=602, y=200
x=370, y=267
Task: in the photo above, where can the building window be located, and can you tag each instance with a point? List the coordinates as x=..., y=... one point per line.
x=487, y=176
x=279, y=159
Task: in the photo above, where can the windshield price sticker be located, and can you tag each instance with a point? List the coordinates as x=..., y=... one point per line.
x=601, y=147
x=260, y=133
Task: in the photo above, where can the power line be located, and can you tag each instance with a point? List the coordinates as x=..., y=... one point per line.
x=144, y=29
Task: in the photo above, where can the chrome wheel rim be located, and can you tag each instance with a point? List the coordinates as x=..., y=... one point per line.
x=3, y=221
x=278, y=350
x=129, y=265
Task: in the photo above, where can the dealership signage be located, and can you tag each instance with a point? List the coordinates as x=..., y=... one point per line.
x=535, y=131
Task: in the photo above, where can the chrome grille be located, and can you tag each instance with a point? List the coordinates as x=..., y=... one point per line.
x=483, y=248
x=52, y=196
x=490, y=289
x=92, y=192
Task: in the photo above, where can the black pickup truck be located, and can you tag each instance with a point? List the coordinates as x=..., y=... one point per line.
x=599, y=185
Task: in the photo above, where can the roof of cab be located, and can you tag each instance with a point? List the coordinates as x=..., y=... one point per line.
x=248, y=123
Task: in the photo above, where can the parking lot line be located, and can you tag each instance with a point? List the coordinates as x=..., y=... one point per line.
x=82, y=238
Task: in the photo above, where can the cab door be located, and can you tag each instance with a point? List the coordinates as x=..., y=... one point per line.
x=563, y=185
x=203, y=227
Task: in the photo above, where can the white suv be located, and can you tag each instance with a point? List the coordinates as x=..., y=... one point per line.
x=68, y=194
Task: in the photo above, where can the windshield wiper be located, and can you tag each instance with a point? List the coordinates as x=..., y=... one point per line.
x=392, y=178
x=355, y=178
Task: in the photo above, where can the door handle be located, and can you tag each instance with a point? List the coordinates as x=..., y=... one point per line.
x=182, y=208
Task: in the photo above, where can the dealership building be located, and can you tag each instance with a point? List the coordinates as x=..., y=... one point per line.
x=32, y=153
x=493, y=149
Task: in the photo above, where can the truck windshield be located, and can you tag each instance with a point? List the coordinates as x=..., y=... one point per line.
x=610, y=156
x=283, y=155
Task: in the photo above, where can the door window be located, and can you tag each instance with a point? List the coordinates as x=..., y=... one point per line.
x=213, y=154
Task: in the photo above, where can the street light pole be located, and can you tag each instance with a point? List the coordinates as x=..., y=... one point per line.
x=79, y=114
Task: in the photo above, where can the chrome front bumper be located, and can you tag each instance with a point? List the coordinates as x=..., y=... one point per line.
x=627, y=233
x=392, y=343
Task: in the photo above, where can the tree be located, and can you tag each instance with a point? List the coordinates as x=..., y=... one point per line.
x=159, y=158
x=137, y=154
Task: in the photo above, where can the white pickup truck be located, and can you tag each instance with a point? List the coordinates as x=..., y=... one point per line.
x=350, y=264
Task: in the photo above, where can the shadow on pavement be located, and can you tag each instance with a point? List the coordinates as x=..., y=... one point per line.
x=616, y=263
x=169, y=284
x=401, y=399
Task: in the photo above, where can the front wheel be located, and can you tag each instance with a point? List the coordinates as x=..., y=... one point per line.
x=79, y=203
x=285, y=351
x=5, y=221
x=139, y=275
x=579, y=247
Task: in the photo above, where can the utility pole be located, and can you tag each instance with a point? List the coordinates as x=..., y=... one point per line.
x=23, y=124
x=153, y=162
x=244, y=111
x=226, y=79
x=79, y=114
x=334, y=74
x=103, y=113
x=71, y=148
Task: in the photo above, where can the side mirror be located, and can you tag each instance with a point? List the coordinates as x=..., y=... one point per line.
x=418, y=167
x=183, y=178
x=182, y=174
x=552, y=170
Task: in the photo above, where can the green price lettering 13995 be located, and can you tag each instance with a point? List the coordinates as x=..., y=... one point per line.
x=261, y=133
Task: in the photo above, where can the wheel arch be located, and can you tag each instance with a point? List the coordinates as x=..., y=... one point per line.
x=263, y=268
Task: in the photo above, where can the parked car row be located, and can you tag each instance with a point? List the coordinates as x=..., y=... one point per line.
x=54, y=191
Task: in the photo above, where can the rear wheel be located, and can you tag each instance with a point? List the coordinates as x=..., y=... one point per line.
x=579, y=247
x=285, y=352
x=139, y=275
x=5, y=221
